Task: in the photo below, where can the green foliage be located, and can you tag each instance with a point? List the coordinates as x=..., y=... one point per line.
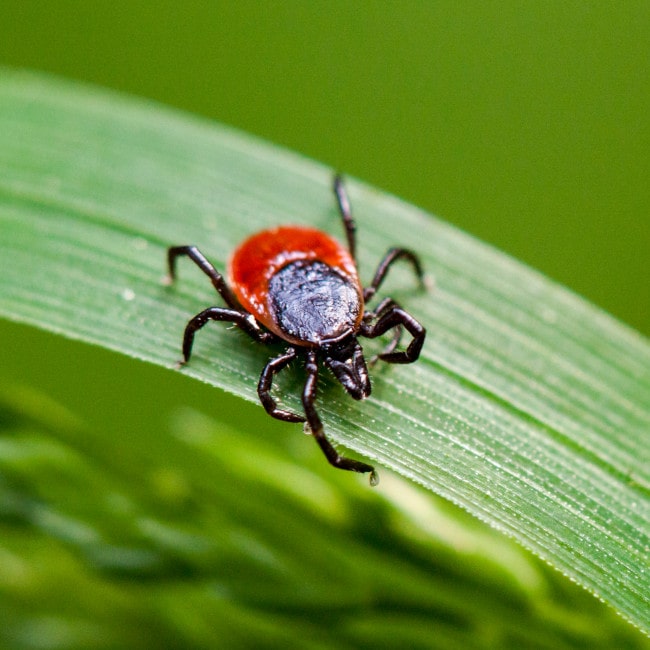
x=529, y=408
x=202, y=537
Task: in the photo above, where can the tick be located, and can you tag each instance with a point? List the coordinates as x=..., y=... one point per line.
x=300, y=286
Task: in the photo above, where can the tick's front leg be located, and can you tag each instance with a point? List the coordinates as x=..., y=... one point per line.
x=316, y=426
x=271, y=369
x=396, y=317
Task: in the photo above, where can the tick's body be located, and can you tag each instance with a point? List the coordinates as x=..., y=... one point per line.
x=300, y=285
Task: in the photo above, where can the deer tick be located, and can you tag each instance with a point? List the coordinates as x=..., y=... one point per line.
x=298, y=285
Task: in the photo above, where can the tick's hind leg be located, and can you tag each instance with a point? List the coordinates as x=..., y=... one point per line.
x=201, y=261
x=316, y=426
x=343, y=202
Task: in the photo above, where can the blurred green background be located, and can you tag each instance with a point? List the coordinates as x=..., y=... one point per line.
x=525, y=123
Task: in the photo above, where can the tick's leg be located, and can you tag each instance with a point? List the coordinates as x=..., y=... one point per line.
x=390, y=348
x=392, y=256
x=316, y=426
x=346, y=213
x=385, y=305
x=395, y=316
x=271, y=369
x=201, y=261
x=243, y=320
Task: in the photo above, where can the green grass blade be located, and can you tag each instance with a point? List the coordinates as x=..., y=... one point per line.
x=529, y=407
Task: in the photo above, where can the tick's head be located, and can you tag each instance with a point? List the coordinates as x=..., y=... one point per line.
x=344, y=357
